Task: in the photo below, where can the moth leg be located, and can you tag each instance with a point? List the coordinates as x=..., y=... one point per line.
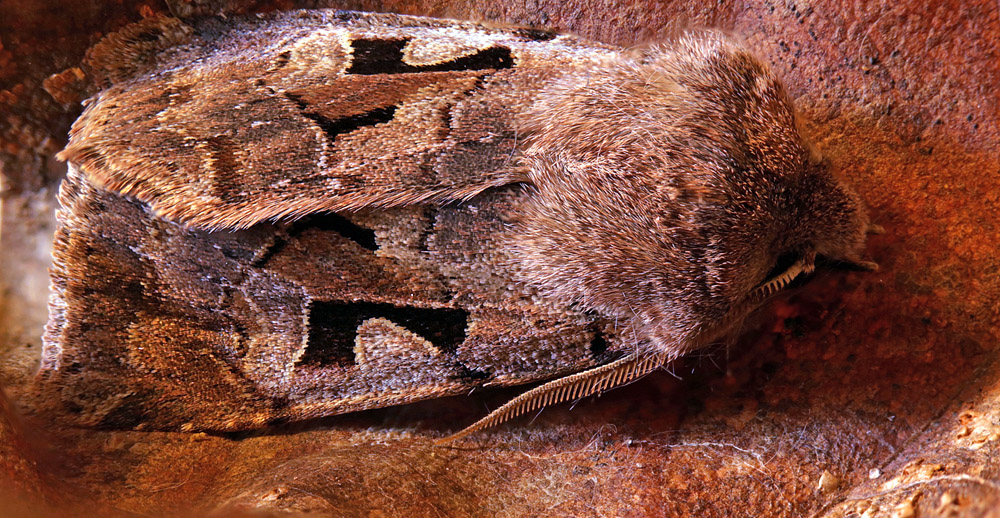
x=582, y=384
x=868, y=266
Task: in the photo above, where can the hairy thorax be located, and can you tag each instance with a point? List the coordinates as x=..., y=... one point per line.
x=665, y=191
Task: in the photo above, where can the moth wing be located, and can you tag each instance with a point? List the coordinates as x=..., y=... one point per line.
x=161, y=327
x=223, y=124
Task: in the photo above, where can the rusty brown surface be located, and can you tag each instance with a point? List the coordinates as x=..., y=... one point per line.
x=884, y=386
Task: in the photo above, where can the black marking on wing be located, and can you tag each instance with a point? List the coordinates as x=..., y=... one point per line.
x=535, y=34
x=469, y=375
x=598, y=345
x=377, y=56
x=280, y=242
x=364, y=237
x=128, y=413
x=423, y=244
x=336, y=127
x=333, y=327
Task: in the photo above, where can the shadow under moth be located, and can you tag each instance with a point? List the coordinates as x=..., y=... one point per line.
x=293, y=215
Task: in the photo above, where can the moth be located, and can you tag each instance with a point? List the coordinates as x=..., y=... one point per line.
x=300, y=214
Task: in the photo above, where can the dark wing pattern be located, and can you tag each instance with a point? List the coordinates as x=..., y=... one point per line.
x=226, y=124
x=157, y=321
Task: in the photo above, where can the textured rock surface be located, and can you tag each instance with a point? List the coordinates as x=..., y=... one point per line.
x=858, y=395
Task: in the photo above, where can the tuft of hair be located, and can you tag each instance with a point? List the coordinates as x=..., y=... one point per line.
x=667, y=185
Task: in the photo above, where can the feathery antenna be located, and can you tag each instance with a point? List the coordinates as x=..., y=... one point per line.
x=617, y=373
x=582, y=384
x=805, y=264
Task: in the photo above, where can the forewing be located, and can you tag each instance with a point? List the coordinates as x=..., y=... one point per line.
x=224, y=124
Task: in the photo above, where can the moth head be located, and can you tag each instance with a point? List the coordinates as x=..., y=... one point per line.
x=835, y=223
x=668, y=186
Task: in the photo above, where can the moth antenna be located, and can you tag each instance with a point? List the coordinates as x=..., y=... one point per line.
x=805, y=264
x=582, y=384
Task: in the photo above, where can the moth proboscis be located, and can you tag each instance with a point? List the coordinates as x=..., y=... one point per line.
x=307, y=213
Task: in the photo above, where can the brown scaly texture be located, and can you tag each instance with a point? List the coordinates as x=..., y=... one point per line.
x=894, y=371
x=323, y=111
x=331, y=314
x=663, y=186
x=156, y=326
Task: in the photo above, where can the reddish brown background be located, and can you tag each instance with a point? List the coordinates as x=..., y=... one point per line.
x=884, y=386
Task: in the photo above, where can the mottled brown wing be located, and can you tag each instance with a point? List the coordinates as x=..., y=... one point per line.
x=224, y=124
x=158, y=320
x=157, y=326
